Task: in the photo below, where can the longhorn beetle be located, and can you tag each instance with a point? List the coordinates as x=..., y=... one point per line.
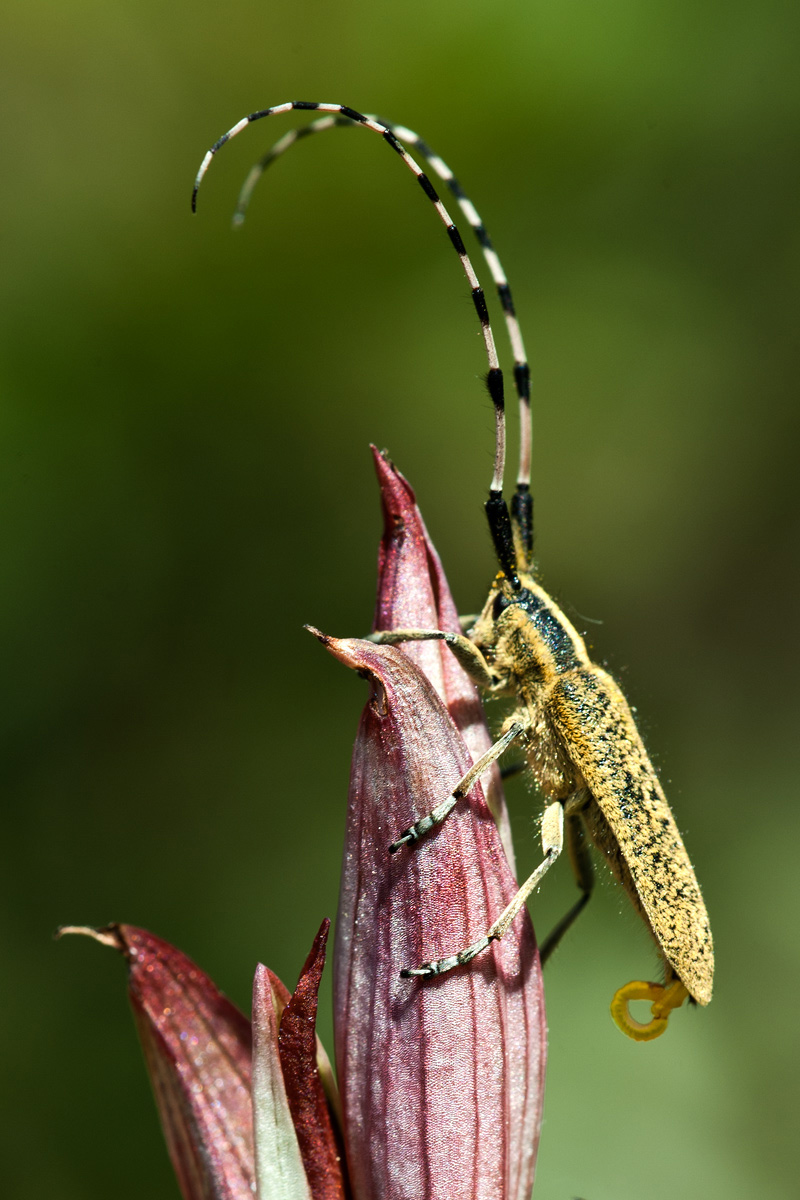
x=571, y=719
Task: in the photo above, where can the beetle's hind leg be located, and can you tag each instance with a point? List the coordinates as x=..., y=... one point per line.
x=583, y=870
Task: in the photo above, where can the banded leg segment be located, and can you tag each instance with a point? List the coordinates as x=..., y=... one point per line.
x=462, y=789
x=552, y=845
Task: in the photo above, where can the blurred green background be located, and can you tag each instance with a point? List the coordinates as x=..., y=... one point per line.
x=186, y=482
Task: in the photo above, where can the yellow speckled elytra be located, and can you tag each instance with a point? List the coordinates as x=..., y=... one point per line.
x=573, y=722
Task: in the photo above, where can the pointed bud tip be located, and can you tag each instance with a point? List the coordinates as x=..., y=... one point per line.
x=397, y=495
x=355, y=653
x=382, y=458
x=108, y=936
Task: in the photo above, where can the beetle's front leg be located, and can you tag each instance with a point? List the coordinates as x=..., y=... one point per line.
x=467, y=653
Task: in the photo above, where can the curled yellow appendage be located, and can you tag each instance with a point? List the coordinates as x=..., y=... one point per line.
x=664, y=1000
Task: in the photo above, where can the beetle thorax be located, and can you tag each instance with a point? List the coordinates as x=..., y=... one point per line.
x=526, y=638
x=530, y=645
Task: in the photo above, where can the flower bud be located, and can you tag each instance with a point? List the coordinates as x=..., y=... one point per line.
x=441, y=1079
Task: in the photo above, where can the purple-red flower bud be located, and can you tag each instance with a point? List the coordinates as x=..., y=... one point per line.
x=238, y=1109
x=441, y=1080
x=297, y=1043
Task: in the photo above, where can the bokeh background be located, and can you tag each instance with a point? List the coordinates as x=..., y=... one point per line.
x=185, y=482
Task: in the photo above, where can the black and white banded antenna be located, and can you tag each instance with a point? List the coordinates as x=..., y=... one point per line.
x=522, y=501
x=496, y=508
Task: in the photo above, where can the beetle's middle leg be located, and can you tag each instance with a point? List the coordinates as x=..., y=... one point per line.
x=582, y=869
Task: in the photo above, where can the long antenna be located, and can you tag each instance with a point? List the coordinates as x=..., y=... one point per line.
x=496, y=507
x=522, y=504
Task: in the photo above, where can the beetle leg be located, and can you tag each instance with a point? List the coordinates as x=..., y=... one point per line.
x=467, y=653
x=464, y=785
x=582, y=869
x=552, y=844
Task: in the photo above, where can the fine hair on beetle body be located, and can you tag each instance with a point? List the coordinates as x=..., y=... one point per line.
x=569, y=717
